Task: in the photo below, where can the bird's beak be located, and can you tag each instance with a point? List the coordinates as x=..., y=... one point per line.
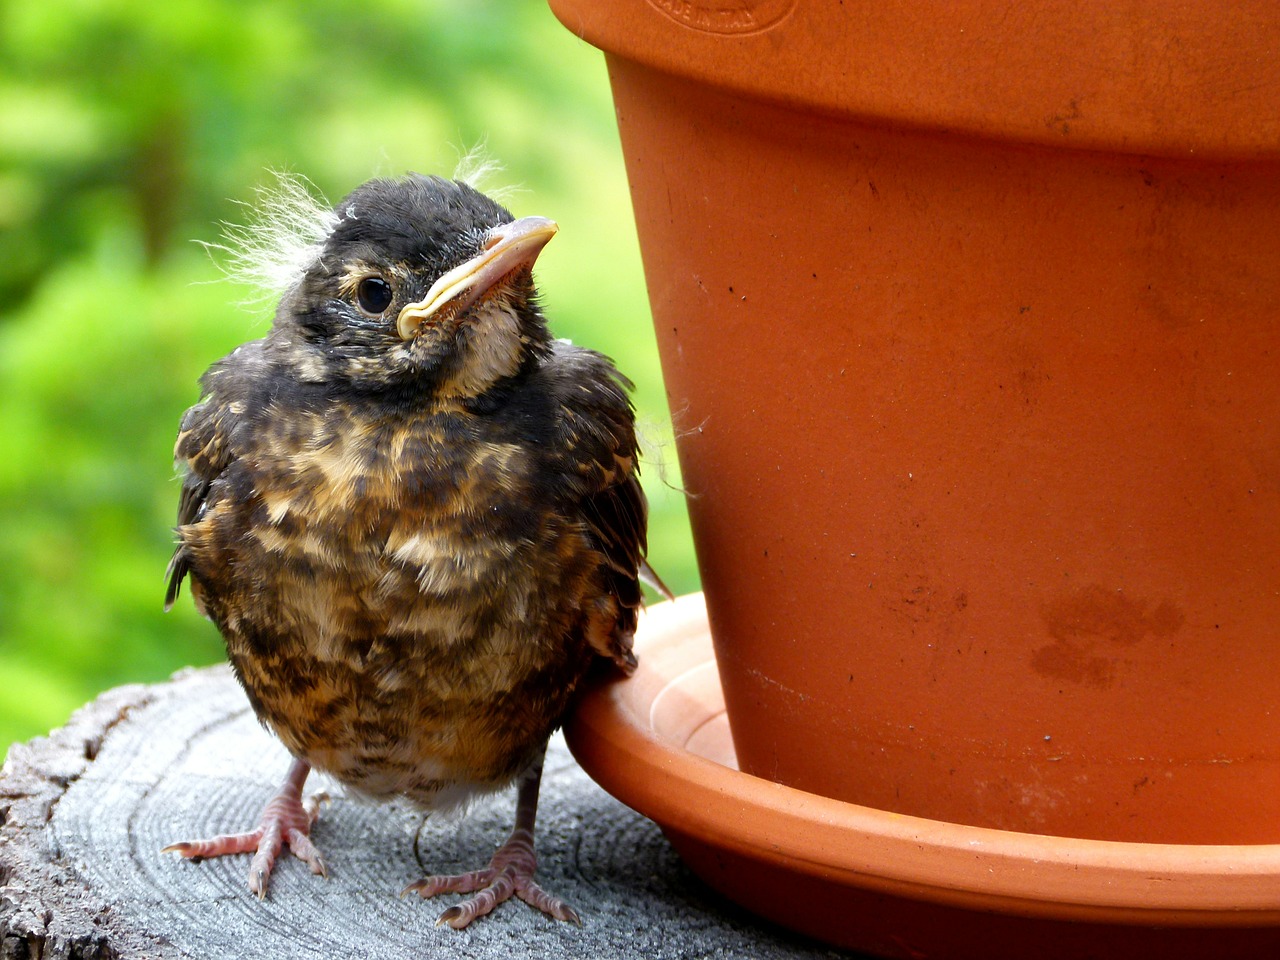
x=507, y=248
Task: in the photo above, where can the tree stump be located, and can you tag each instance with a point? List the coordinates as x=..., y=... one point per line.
x=85, y=811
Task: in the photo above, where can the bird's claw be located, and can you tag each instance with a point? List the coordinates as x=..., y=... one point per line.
x=493, y=890
x=509, y=874
x=285, y=822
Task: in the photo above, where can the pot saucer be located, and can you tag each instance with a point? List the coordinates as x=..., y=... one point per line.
x=891, y=884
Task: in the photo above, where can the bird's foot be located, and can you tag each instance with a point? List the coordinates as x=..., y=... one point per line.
x=510, y=873
x=286, y=821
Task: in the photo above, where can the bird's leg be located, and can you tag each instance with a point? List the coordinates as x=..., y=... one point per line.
x=285, y=821
x=510, y=872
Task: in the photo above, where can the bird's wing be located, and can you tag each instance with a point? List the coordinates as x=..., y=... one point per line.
x=598, y=441
x=205, y=447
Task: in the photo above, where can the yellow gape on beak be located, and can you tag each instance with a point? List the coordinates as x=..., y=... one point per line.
x=507, y=248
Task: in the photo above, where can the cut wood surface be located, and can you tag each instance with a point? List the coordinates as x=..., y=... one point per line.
x=85, y=811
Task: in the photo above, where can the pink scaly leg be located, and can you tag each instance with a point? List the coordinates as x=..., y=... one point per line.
x=285, y=821
x=509, y=873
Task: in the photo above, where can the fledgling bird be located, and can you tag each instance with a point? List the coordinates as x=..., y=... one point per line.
x=415, y=518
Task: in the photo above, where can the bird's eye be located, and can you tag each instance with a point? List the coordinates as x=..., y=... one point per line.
x=374, y=295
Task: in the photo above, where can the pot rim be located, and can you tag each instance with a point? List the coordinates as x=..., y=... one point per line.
x=612, y=734
x=1155, y=78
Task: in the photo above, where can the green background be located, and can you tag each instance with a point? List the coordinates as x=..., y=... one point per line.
x=129, y=130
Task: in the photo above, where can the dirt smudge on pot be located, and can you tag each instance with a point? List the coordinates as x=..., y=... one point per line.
x=1092, y=626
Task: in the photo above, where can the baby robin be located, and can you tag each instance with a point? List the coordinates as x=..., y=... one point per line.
x=414, y=517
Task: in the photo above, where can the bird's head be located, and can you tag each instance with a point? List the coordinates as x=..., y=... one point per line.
x=417, y=285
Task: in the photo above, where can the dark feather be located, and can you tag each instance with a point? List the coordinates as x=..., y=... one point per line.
x=599, y=456
x=204, y=449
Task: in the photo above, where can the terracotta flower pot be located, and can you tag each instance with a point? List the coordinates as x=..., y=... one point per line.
x=970, y=315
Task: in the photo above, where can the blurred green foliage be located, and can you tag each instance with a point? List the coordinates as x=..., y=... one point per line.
x=129, y=129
